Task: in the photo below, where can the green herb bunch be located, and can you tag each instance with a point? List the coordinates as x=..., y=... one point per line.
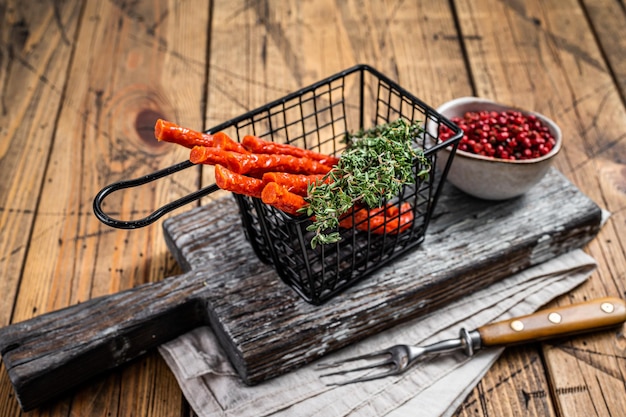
x=372, y=169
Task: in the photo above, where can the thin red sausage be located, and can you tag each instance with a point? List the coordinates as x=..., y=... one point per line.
x=171, y=132
x=391, y=219
x=295, y=183
x=209, y=156
x=278, y=196
x=257, y=145
x=223, y=141
x=256, y=164
x=240, y=184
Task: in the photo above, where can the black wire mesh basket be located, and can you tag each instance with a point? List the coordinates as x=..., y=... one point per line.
x=318, y=118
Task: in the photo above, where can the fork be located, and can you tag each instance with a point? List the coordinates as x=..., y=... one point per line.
x=579, y=318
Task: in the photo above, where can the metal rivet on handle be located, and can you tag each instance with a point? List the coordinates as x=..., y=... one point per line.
x=607, y=307
x=517, y=325
x=554, y=318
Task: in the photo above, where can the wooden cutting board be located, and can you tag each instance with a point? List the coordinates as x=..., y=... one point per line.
x=264, y=327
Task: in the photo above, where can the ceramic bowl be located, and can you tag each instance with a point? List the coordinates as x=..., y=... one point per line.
x=490, y=178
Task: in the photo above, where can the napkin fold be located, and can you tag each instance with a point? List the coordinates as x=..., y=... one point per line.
x=435, y=387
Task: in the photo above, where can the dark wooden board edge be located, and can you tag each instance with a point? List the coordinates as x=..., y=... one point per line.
x=267, y=330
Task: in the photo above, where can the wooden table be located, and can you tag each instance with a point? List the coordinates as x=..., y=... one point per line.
x=82, y=83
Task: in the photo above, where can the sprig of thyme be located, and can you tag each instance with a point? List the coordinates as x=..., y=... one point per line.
x=373, y=168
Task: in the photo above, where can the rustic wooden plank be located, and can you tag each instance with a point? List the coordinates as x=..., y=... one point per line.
x=264, y=326
x=608, y=21
x=284, y=54
x=594, y=381
x=35, y=46
x=111, y=329
x=550, y=62
x=608, y=247
x=495, y=69
x=288, y=45
x=126, y=72
x=514, y=386
x=109, y=116
x=257, y=333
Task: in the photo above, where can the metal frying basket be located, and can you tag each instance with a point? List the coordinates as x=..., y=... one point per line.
x=319, y=117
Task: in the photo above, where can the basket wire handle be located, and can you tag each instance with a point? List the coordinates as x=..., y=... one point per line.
x=158, y=213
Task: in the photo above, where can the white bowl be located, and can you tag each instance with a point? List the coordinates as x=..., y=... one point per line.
x=491, y=178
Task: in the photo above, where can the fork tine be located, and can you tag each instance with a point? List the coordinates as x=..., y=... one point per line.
x=340, y=362
x=364, y=378
x=361, y=368
x=388, y=361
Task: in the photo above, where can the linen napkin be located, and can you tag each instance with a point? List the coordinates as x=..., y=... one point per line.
x=435, y=387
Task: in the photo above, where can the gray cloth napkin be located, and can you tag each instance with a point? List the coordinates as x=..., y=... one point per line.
x=434, y=388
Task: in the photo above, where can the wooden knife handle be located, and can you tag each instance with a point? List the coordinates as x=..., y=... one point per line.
x=52, y=353
x=561, y=321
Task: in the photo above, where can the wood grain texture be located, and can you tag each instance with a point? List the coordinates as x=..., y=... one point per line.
x=556, y=322
x=36, y=44
x=123, y=72
x=287, y=45
x=36, y=48
x=51, y=353
x=547, y=59
x=608, y=21
x=265, y=328
x=515, y=386
x=203, y=63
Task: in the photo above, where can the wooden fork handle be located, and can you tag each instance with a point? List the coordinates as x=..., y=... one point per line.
x=560, y=321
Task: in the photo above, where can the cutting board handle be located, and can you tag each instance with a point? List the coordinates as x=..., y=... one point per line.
x=52, y=353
